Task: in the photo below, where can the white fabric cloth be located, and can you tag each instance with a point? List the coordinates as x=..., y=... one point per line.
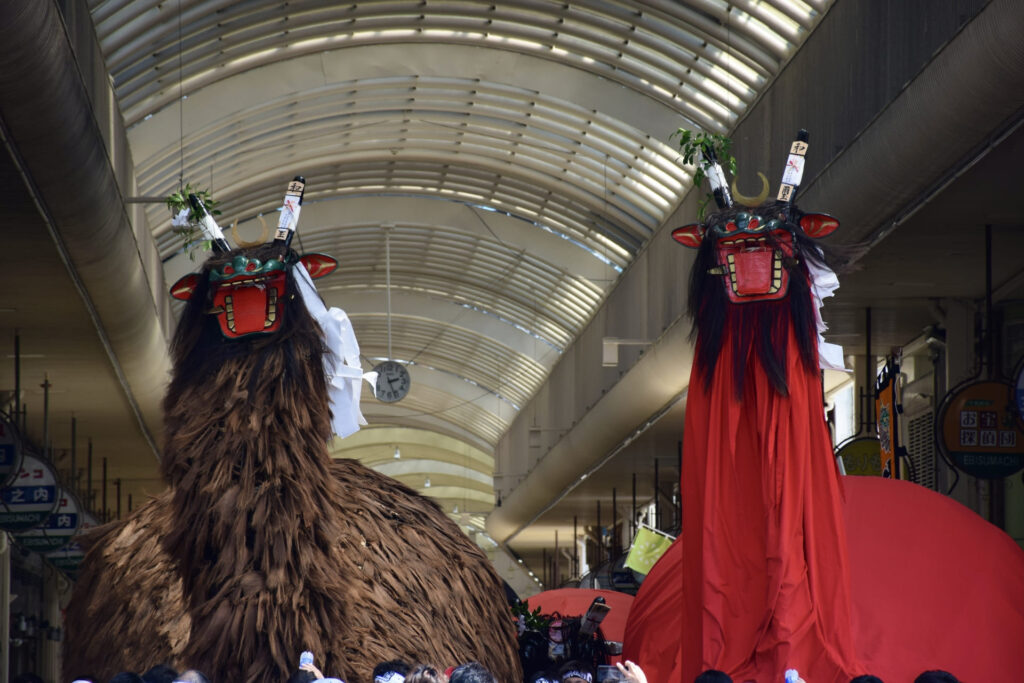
x=180, y=220
x=824, y=283
x=341, y=363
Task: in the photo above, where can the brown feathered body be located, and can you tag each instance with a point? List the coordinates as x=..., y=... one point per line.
x=263, y=547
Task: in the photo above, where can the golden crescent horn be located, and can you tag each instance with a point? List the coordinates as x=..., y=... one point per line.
x=243, y=243
x=751, y=201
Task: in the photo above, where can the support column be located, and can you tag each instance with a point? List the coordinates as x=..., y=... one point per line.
x=50, y=659
x=960, y=366
x=5, y=606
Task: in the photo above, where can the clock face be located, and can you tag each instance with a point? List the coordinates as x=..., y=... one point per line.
x=392, y=381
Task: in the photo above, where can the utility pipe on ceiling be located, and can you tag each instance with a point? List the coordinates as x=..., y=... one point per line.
x=51, y=130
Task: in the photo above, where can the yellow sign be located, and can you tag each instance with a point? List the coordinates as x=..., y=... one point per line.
x=648, y=546
x=862, y=456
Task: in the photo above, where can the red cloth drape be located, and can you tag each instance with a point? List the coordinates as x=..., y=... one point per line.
x=934, y=586
x=764, y=543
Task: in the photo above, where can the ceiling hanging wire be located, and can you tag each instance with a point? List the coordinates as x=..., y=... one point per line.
x=181, y=108
x=387, y=280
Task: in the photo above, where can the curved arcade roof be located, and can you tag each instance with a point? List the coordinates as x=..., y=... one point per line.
x=492, y=166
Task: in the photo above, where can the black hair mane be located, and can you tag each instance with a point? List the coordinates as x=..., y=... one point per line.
x=763, y=325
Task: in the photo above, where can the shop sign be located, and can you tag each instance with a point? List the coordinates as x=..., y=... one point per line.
x=69, y=558
x=57, y=531
x=30, y=497
x=979, y=432
x=862, y=456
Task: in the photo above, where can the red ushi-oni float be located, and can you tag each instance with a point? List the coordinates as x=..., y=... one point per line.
x=782, y=563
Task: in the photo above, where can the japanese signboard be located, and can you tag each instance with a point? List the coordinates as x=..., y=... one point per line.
x=10, y=452
x=57, y=531
x=978, y=430
x=69, y=558
x=861, y=456
x=30, y=497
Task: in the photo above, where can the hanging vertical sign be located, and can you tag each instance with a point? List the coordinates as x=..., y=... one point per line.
x=31, y=496
x=978, y=430
x=10, y=452
x=1018, y=394
x=69, y=558
x=887, y=417
x=57, y=531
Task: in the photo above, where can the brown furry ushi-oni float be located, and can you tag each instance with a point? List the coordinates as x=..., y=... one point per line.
x=263, y=546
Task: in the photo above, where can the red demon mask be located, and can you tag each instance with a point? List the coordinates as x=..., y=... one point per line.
x=753, y=251
x=247, y=295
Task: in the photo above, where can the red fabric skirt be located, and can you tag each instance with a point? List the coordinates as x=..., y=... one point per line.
x=765, y=571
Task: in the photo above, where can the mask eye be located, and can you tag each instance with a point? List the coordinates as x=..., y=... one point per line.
x=730, y=227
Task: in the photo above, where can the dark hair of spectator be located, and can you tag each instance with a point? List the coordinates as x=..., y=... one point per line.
x=472, y=672
x=866, y=678
x=936, y=676
x=302, y=676
x=575, y=665
x=713, y=676
x=424, y=674
x=127, y=677
x=392, y=666
x=161, y=673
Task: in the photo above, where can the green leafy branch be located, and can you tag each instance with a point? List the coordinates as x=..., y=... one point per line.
x=190, y=232
x=534, y=620
x=701, y=150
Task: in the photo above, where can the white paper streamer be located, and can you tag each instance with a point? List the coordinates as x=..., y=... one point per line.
x=824, y=283
x=180, y=220
x=344, y=372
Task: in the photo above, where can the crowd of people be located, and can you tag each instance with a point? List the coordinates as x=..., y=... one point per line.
x=394, y=671
x=398, y=671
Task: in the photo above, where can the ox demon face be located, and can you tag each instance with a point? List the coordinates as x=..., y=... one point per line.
x=247, y=294
x=754, y=250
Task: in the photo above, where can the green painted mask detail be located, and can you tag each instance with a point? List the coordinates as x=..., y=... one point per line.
x=241, y=265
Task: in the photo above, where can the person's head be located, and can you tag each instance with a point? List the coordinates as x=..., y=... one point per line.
x=575, y=671
x=713, y=676
x=302, y=676
x=866, y=678
x=393, y=671
x=127, y=677
x=543, y=677
x=472, y=672
x=424, y=673
x=161, y=673
x=936, y=676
